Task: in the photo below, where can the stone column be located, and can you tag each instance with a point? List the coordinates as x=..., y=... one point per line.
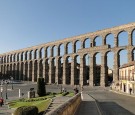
x=24, y=74
x=91, y=70
x=103, y=70
x=81, y=71
x=12, y=71
x=130, y=41
x=44, y=69
x=38, y=68
x=19, y=71
x=28, y=72
x=91, y=43
x=51, y=51
x=15, y=71
x=73, y=47
x=82, y=45
x=50, y=70
x=33, y=66
x=57, y=70
x=30, y=57
x=103, y=40
x=130, y=56
x=58, y=51
x=45, y=54
x=64, y=71
x=0, y=68
x=116, y=42
x=65, y=48
x=116, y=67
x=72, y=71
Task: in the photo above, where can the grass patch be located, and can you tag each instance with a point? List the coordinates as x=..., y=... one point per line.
x=40, y=102
x=41, y=105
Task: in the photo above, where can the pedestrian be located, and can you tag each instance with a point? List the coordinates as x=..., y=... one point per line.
x=130, y=90
x=1, y=102
x=82, y=88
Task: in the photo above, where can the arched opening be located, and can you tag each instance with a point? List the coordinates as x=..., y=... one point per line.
x=60, y=67
x=30, y=71
x=133, y=37
x=98, y=41
x=10, y=69
x=61, y=49
x=13, y=71
x=123, y=38
x=86, y=69
x=77, y=46
x=97, y=69
x=69, y=47
x=123, y=53
x=41, y=68
x=86, y=43
x=17, y=72
x=110, y=40
x=133, y=54
x=8, y=59
x=109, y=67
x=35, y=70
x=48, y=51
x=36, y=56
x=53, y=70
x=26, y=72
x=26, y=55
x=47, y=70
x=21, y=77
x=41, y=53
x=68, y=70
x=54, y=51
x=77, y=70
x=7, y=71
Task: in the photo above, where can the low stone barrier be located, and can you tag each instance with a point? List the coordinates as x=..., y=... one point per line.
x=69, y=107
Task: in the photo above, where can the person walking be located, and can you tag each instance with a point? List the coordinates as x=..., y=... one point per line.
x=1, y=101
x=130, y=90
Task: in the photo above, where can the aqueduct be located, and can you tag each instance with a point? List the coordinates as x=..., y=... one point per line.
x=46, y=60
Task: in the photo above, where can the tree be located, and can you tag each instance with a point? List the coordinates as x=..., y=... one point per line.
x=41, y=89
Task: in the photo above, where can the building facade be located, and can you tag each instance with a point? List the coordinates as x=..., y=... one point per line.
x=127, y=77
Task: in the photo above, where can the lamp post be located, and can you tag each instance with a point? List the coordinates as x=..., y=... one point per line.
x=6, y=82
x=12, y=82
x=61, y=84
x=1, y=89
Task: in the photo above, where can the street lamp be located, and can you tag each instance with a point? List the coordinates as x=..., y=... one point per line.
x=12, y=82
x=6, y=82
x=1, y=89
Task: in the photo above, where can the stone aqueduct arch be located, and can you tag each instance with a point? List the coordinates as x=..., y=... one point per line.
x=33, y=62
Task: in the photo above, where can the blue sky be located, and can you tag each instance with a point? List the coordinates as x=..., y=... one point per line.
x=25, y=23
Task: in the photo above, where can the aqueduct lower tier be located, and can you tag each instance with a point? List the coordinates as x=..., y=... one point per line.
x=33, y=62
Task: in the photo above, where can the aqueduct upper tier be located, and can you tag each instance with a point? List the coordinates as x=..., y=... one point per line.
x=58, y=61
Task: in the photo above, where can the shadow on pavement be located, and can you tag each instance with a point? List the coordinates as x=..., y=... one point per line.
x=87, y=108
x=112, y=108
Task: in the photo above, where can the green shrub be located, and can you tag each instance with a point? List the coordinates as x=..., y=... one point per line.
x=26, y=110
x=41, y=90
x=65, y=93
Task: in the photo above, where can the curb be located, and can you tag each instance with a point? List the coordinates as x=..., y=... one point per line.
x=122, y=93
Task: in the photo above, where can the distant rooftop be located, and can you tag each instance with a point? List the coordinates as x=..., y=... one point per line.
x=128, y=64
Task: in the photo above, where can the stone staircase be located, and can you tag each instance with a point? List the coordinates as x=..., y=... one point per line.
x=56, y=102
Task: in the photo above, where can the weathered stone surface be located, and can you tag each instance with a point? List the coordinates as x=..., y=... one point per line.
x=33, y=62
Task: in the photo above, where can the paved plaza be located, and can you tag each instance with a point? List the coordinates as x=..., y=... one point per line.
x=110, y=102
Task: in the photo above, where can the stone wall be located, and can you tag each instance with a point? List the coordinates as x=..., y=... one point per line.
x=69, y=107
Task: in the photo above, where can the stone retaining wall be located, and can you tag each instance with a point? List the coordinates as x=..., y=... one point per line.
x=69, y=107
